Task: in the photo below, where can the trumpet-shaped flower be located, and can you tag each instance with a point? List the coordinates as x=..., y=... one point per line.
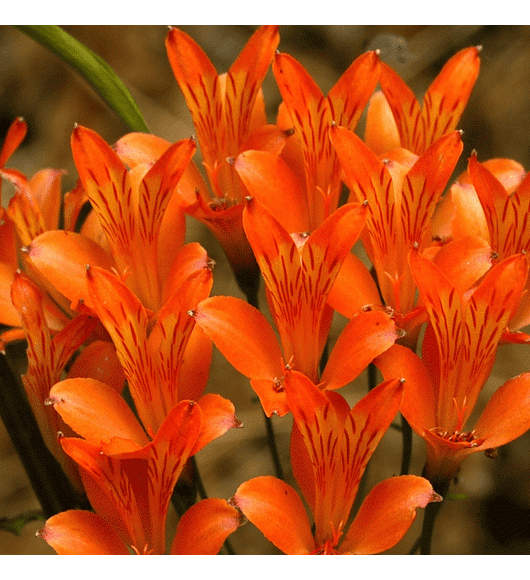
x=419, y=126
x=164, y=360
x=128, y=478
x=402, y=193
x=311, y=113
x=458, y=353
x=298, y=272
x=33, y=209
x=337, y=442
x=229, y=116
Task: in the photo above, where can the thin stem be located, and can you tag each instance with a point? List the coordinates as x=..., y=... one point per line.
x=372, y=376
x=429, y=518
x=49, y=482
x=406, y=434
x=273, y=447
x=199, y=485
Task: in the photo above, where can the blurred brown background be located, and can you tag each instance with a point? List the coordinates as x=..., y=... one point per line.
x=495, y=516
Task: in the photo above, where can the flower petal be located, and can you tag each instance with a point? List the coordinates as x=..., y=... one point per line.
x=366, y=335
x=95, y=411
x=386, y=514
x=62, y=257
x=271, y=181
x=278, y=512
x=507, y=414
x=204, y=527
x=82, y=533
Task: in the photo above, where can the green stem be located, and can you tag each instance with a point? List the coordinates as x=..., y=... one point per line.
x=49, y=482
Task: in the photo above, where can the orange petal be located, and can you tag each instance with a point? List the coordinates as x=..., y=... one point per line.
x=62, y=258
x=82, y=533
x=354, y=288
x=136, y=148
x=446, y=98
x=405, y=109
x=149, y=475
x=381, y=134
x=366, y=335
x=46, y=185
x=245, y=76
x=15, y=135
x=242, y=334
x=218, y=416
x=204, y=527
x=195, y=367
x=350, y=94
x=278, y=512
x=419, y=404
x=270, y=180
x=386, y=514
x=474, y=258
x=423, y=185
x=8, y=313
x=95, y=411
x=98, y=361
x=507, y=414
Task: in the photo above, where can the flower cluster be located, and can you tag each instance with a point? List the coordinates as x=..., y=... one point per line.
x=117, y=312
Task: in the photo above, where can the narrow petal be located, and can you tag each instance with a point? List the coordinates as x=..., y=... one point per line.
x=204, y=527
x=278, y=512
x=82, y=533
x=95, y=411
x=15, y=135
x=423, y=186
x=381, y=134
x=349, y=96
x=126, y=321
x=386, y=514
x=446, y=98
x=405, y=109
x=245, y=77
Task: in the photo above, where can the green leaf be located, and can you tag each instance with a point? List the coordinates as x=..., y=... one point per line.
x=93, y=69
x=15, y=525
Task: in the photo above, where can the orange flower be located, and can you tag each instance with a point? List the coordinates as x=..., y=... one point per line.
x=33, y=209
x=47, y=357
x=299, y=272
x=418, y=127
x=229, y=116
x=311, y=113
x=402, y=193
x=167, y=359
x=128, y=478
x=336, y=443
x=458, y=353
